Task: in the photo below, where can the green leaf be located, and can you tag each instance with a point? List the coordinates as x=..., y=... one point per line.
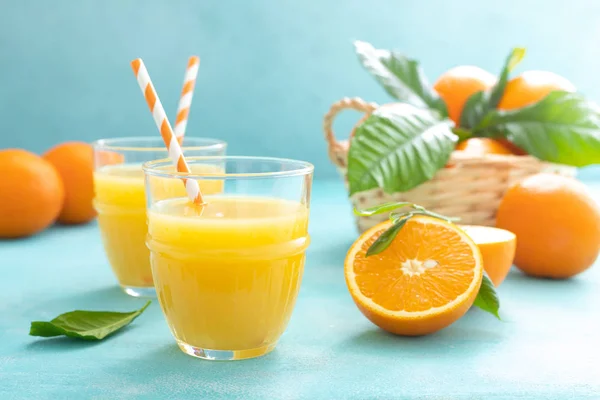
x=398, y=219
x=419, y=210
x=562, y=128
x=401, y=77
x=88, y=325
x=487, y=299
x=387, y=237
x=481, y=103
x=476, y=107
x=382, y=208
x=463, y=134
x=497, y=92
x=397, y=148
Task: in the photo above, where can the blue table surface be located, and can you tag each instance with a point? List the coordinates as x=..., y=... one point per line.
x=546, y=347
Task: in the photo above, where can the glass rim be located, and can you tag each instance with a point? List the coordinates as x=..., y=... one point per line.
x=116, y=144
x=301, y=168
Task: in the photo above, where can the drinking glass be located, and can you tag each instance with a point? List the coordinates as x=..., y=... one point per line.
x=121, y=202
x=227, y=273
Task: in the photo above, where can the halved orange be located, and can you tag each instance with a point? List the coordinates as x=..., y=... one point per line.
x=424, y=281
x=497, y=246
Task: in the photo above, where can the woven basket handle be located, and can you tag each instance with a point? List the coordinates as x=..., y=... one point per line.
x=334, y=146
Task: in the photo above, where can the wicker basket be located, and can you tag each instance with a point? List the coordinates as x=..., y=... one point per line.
x=469, y=187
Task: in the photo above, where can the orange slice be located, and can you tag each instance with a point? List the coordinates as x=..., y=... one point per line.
x=497, y=248
x=424, y=281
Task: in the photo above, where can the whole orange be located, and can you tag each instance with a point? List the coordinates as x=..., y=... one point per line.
x=31, y=193
x=557, y=225
x=482, y=146
x=75, y=164
x=456, y=85
x=531, y=87
x=516, y=150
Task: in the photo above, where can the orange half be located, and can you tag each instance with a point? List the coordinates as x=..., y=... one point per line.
x=424, y=281
x=497, y=246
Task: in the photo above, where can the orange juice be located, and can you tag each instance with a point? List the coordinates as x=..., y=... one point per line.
x=121, y=204
x=227, y=275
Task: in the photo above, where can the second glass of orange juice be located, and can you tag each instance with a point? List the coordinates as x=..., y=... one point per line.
x=227, y=273
x=121, y=202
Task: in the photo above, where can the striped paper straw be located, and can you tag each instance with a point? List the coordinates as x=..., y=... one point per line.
x=185, y=100
x=160, y=118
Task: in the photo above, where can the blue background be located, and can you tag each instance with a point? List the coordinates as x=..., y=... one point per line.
x=270, y=69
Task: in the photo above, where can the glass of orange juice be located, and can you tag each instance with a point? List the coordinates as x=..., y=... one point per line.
x=227, y=273
x=121, y=202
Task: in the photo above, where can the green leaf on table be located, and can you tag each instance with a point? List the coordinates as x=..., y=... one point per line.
x=88, y=325
x=481, y=103
x=397, y=148
x=487, y=298
x=401, y=77
x=562, y=128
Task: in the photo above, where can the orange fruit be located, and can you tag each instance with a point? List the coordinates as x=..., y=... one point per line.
x=74, y=162
x=424, y=281
x=557, y=225
x=531, y=87
x=483, y=146
x=107, y=157
x=516, y=150
x=456, y=85
x=497, y=248
x=31, y=193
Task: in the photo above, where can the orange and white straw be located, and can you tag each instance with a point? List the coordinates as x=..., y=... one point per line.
x=185, y=100
x=160, y=118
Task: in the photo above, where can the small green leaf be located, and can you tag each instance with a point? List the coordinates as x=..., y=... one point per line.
x=401, y=77
x=481, y=103
x=387, y=237
x=398, y=219
x=380, y=209
x=462, y=133
x=395, y=216
x=397, y=148
x=88, y=325
x=476, y=107
x=562, y=128
x=487, y=299
x=45, y=329
x=419, y=210
x=497, y=92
